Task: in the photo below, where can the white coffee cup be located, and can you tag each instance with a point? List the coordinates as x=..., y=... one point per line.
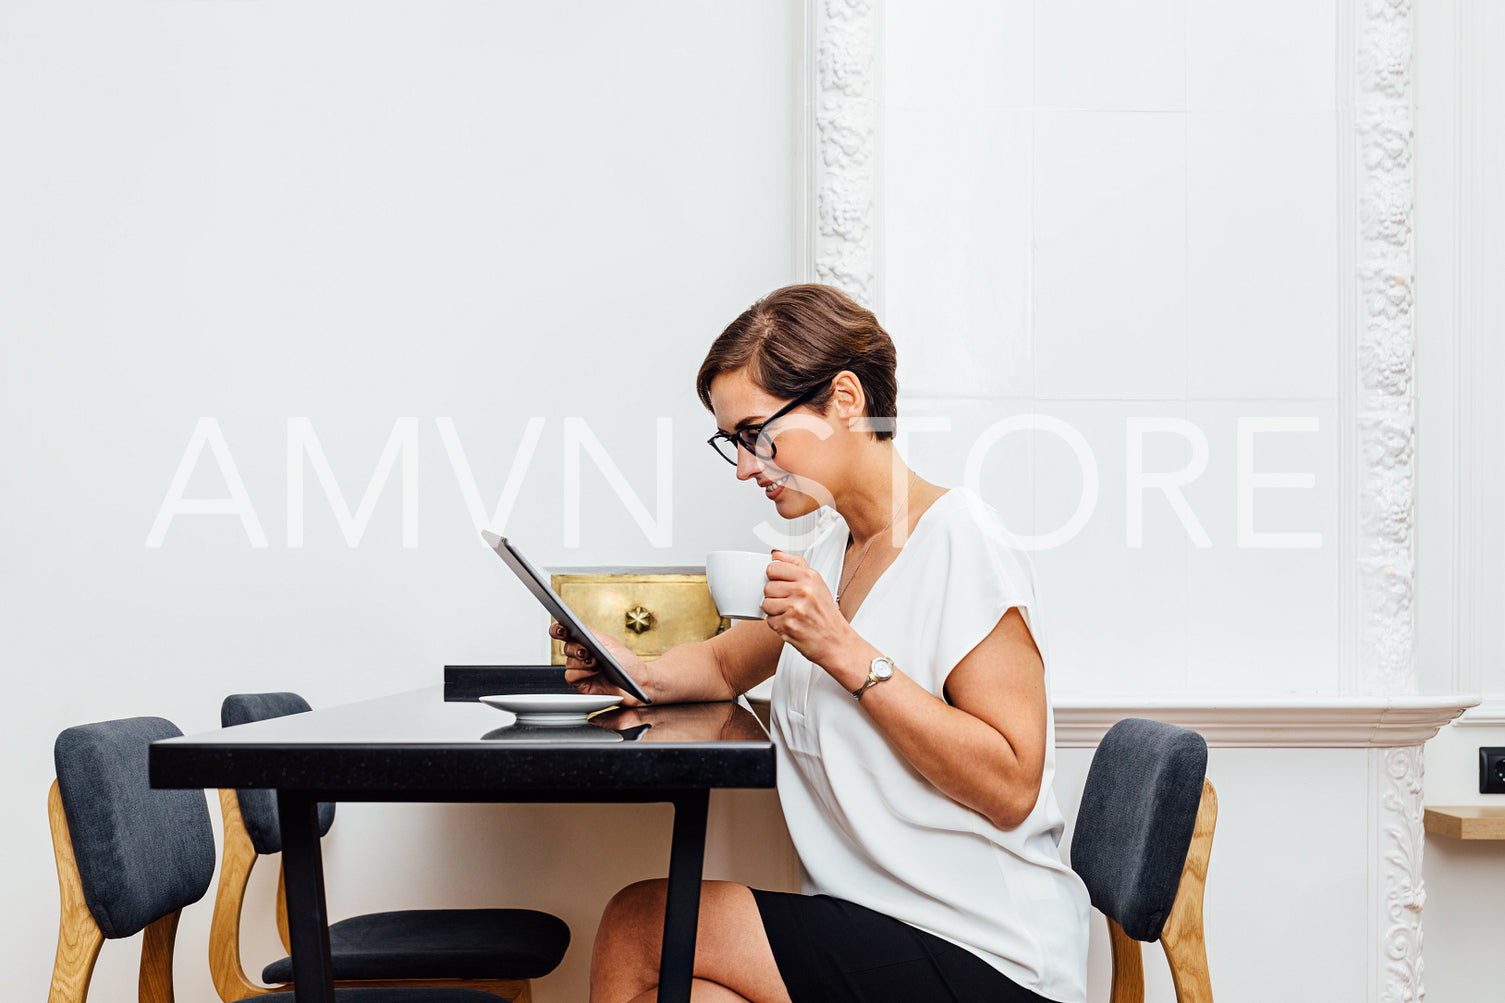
x=736, y=578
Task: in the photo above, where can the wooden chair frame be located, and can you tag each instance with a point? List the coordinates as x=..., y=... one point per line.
x=79, y=937
x=225, y=965
x=1182, y=938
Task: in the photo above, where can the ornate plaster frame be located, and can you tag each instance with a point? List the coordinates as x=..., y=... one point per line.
x=1377, y=194
x=1378, y=411
x=1378, y=406
x=1377, y=395
x=843, y=94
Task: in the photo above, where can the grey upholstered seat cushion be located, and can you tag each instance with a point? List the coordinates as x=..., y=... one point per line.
x=394, y=996
x=1138, y=810
x=258, y=808
x=442, y=944
x=141, y=853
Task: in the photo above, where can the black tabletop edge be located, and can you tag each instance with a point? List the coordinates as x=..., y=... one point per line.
x=417, y=768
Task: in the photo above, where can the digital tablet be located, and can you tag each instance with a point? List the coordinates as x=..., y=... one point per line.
x=539, y=585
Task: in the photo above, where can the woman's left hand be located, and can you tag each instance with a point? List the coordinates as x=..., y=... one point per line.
x=800, y=609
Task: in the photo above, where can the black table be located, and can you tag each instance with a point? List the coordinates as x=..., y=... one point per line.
x=440, y=744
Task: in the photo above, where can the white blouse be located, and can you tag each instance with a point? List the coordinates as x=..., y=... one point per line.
x=868, y=827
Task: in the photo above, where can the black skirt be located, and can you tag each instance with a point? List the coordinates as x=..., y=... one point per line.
x=830, y=950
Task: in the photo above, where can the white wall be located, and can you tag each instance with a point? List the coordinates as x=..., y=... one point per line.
x=1463, y=431
x=1103, y=212
x=355, y=213
x=497, y=213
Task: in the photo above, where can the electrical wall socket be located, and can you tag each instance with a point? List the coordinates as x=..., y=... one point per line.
x=1491, y=770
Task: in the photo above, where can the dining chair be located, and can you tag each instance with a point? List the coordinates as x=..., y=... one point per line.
x=498, y=951
x=130, y=858
x=1141, y=844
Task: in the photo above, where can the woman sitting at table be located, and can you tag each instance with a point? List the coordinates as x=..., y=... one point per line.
x=911, y=711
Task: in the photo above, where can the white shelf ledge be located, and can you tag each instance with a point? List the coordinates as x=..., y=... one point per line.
x=1266, y=722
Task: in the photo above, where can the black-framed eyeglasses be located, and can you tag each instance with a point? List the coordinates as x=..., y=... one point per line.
x=751, y=437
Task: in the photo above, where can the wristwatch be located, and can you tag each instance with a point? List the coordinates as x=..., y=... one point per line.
x=881, y=668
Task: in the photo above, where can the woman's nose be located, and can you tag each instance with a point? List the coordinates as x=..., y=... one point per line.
x=748, y=465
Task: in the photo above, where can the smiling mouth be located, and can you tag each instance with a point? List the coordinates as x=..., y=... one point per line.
x=777, y=486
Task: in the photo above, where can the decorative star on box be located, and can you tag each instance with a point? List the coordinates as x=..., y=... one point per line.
x=639, y=619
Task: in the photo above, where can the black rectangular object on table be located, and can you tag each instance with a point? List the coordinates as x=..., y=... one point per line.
x=471, y=682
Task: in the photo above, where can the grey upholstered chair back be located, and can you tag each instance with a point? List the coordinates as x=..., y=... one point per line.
x=1138, y=811
x=141, y=853
x=258, y=808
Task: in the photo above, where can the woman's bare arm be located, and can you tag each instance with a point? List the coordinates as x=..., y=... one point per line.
x=747, y=653
x=984, y=748
x=984, y=745
x=721, y=668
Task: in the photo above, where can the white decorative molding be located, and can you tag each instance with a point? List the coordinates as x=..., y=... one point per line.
x=1385, y=407
x=1489, y=713
x=842, y=56
x=1266, y=722
x=1397, y=880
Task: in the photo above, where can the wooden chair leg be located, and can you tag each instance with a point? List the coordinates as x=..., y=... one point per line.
x=155, y=984
x=1128, y=966
x=225, y=967
x=79, y=937
x=1182, y=938
x=282, y=928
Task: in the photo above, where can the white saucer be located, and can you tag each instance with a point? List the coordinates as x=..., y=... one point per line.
x=551, y=708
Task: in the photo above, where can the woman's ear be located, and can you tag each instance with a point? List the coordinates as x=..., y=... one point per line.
x=847, y=396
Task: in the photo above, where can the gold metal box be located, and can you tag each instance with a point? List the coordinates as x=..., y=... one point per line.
x=649, y=609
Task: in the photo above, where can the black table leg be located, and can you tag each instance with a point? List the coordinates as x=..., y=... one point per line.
x=307, y=920
x=676, y=966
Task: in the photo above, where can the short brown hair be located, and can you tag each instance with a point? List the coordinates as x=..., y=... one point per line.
x=797, y=336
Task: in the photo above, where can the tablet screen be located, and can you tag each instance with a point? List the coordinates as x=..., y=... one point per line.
x=542, y=591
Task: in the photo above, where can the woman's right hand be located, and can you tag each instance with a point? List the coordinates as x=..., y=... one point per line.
x=581, y=671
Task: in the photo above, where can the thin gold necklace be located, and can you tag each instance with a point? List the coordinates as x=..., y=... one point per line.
x=840, y=588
